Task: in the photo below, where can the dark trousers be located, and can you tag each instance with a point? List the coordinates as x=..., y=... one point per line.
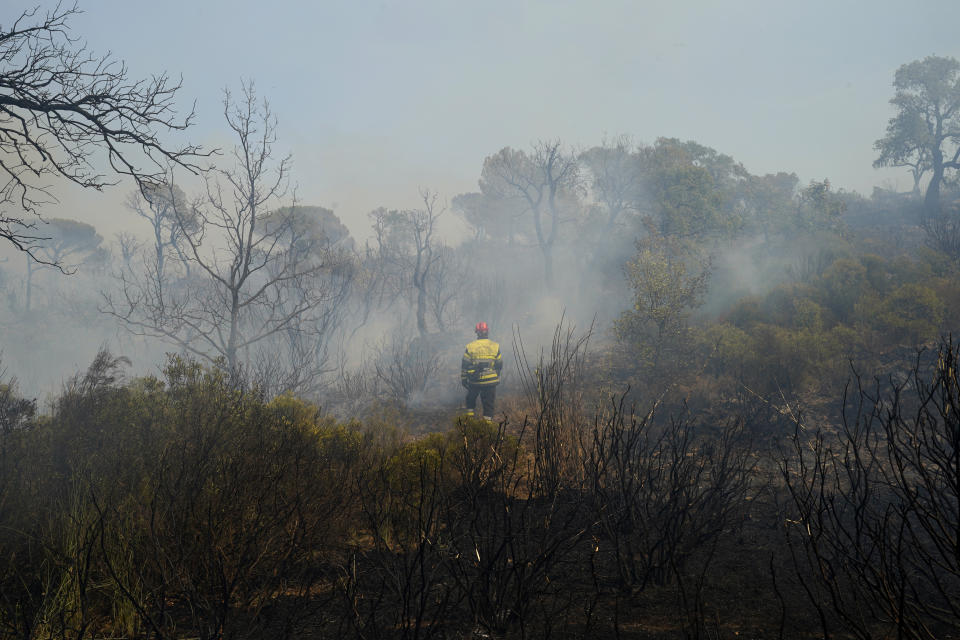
x=487, y=397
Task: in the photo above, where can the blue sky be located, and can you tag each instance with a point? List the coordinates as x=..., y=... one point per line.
x=376, y=99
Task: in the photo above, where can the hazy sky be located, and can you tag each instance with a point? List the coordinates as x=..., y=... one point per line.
x=377, y=98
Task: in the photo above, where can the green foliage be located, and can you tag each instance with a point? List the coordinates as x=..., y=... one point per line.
x=820, y=208
x=768, y=202
x=688, y=202
x=771, y=359
x=184, y=505
x=684, y=181
x=477, y=450
x=463, y=455
x=69, y=240
x=802, y=335
x=668, y=280
x=841, y=285
x=928, y=263
x=176, y=495
x=308, y=228
x=615, y=172
x=489, y=214
x=911, y=314
x=923, y=134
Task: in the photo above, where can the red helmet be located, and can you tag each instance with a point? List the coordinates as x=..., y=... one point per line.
x=482, y=329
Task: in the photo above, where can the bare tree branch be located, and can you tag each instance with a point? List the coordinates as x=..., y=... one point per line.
x=266, y=283
x=63, y=109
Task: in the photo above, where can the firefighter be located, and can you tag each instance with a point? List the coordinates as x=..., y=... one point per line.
x=480, y=371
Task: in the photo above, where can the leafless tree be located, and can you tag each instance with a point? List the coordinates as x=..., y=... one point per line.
x=254, y=283
x=352, y=389
x=541, y=180
x=663, y=493
x=514, y=549
x=129, y=247
x=449, y=278
x=942, y=229
x=422, y=227
x=408, y=251
x=553, y=383
x=159, y=205
x=404, y=366
x=61, y=108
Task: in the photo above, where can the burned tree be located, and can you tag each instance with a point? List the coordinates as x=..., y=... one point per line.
x=408, y=252
x=165, y=208
x=62, y=107
x=254, y=283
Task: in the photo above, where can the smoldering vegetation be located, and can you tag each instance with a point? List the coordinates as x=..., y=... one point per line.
x=729, y=407
x=688, y=269
x=740, y=424
x=185, y=506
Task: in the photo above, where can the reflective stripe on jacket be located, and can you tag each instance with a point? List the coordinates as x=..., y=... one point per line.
x=481, y=363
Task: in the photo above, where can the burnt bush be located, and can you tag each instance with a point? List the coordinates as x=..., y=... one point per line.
x=875, y=506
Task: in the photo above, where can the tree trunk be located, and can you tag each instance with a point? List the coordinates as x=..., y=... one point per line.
x=231, y=351
x=548, y=265
x=422, y=310
x=931, y=201
x=158, y=246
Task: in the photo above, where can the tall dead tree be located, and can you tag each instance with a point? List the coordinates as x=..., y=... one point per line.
x=408, y=252
x=165, y=208
x=254, y=284
x=422, y=224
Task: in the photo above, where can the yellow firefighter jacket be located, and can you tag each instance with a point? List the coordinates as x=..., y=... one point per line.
x=481, y=364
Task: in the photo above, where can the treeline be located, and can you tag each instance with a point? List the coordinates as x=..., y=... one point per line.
x=695, y=262
x=186, y=506
x=656, y=240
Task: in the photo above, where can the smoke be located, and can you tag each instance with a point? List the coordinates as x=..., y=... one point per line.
x=742, y=269
x=375, y=351
x=63, y=330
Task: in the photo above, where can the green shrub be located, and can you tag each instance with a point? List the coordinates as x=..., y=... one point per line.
x=841, y=286
x=911, y=314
